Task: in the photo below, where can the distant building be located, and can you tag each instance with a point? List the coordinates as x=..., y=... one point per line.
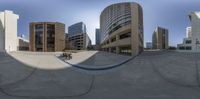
x=80, y=41
x=8, y=31
x=23, y=44
x=97, y=36
x=77, y=28
x=148, y=45
x=121, y=28
x=192, y=41
x=160, y=38
x=78, y=36
x=47, y=36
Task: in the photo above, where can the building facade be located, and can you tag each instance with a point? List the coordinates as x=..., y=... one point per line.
x=121, y=28
x=97, y=36
x=76, y=29
x=8, y=31
x=192, y=41
x=80, y=41
x=160, y=38
x=47, y=36
x=78, y=36
x=23, y=44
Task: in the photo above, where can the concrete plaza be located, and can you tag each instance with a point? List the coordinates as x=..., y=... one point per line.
x=151, y=75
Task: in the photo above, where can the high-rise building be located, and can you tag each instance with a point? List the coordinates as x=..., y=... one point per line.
x=78, y=36
x=97, y=36
x=77, y=28
x=121, y=28
x=160, y=38
x=188, y=32
x=8, y=31
x=47, y=36
x=192, y=41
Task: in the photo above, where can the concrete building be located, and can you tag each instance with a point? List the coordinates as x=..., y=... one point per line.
x=8, y=31
x=78, y=36
x=80, y=41
x=121, y=28
x=76, y=29
x=149, y=45
x=192, y=41
x=23, y=44
x=97, y=36
x=160, y=38
x=47, y=36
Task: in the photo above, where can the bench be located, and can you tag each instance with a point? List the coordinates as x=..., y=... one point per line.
x=67, y=55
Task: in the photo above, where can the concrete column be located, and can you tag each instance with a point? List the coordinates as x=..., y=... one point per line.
x=117, y=50
x=117, y=37
x=109, y=41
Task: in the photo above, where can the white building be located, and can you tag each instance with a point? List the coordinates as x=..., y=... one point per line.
x=8, y=31
x=188, y=32
x=192, y=42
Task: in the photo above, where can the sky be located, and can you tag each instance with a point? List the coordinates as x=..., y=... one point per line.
x=170, y=14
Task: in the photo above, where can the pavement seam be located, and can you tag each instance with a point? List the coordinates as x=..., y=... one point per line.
x=170, y=81
x=99, y=68
x=52, y=97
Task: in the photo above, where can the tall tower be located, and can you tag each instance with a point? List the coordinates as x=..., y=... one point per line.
x=195, y=24
x=121, y=28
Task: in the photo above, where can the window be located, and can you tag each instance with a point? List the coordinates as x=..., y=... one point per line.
x=113, y=49
x=39, y=40
x=39, y=27
x=50, y=37
x=181, y=48
x=188, y=41
x=188, y=48
x=125, y=50
x=113, y=39
x=126, y=35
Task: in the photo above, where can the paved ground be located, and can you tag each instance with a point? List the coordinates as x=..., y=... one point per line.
x=152, y=75
x=96, y=58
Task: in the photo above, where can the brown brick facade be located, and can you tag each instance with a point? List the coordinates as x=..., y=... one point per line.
x=47, y=36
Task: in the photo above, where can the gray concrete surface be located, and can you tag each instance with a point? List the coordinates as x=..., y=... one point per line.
x=152, y=75
x=96, y=58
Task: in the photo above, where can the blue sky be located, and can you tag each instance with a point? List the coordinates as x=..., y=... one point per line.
x=171, y=14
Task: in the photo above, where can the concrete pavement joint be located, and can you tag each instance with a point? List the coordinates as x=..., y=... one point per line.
x=171, y=81
x=95, y=68
x=51, y=97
